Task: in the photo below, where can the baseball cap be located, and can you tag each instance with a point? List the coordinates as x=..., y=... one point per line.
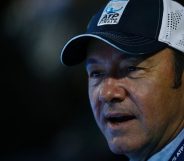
x=132, y=26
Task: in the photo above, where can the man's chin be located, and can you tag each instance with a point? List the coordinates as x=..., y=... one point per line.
x=119, y=147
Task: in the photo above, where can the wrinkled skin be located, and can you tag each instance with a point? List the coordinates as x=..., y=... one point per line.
x=139, y=90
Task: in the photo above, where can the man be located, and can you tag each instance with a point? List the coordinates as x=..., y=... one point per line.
x=134, y=53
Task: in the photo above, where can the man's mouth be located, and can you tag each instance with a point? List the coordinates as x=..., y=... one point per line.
x=119, y=118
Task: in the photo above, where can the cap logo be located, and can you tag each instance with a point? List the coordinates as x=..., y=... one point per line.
x=112, y=12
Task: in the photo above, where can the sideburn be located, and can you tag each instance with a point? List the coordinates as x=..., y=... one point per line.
x=179, y=68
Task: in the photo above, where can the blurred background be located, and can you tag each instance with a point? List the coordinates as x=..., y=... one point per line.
x=44, y=110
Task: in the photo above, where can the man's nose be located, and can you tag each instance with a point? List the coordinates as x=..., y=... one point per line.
x=112, y=90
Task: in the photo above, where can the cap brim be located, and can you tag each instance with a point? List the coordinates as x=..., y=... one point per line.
x=74, y=52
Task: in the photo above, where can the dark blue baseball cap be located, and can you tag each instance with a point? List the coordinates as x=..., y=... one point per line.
x=132, y=26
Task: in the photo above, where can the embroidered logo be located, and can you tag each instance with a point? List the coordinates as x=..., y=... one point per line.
x=112, y=12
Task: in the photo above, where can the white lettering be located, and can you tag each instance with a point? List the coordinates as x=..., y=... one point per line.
x=180, y=151
x=109, y=19
x=174, y=158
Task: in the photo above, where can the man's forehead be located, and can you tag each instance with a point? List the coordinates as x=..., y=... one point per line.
x=165, y=55
x=120, y=57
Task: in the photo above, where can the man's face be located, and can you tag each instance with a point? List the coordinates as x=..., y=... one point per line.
x=132, y=99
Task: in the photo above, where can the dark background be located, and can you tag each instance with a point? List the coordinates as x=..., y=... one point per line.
x=44, y=110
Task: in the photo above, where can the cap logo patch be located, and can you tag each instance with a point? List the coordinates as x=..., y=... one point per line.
x=112, y=12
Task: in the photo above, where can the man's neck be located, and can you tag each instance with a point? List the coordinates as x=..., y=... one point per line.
x=167, y=150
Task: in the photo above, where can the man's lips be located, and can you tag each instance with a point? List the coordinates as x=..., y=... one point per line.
x=116, y=118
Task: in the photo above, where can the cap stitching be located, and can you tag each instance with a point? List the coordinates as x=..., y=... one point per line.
x=120, y=40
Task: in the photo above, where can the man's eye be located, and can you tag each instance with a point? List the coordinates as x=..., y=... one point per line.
x=96, y=74
x=132, y=69
x=134, y=72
